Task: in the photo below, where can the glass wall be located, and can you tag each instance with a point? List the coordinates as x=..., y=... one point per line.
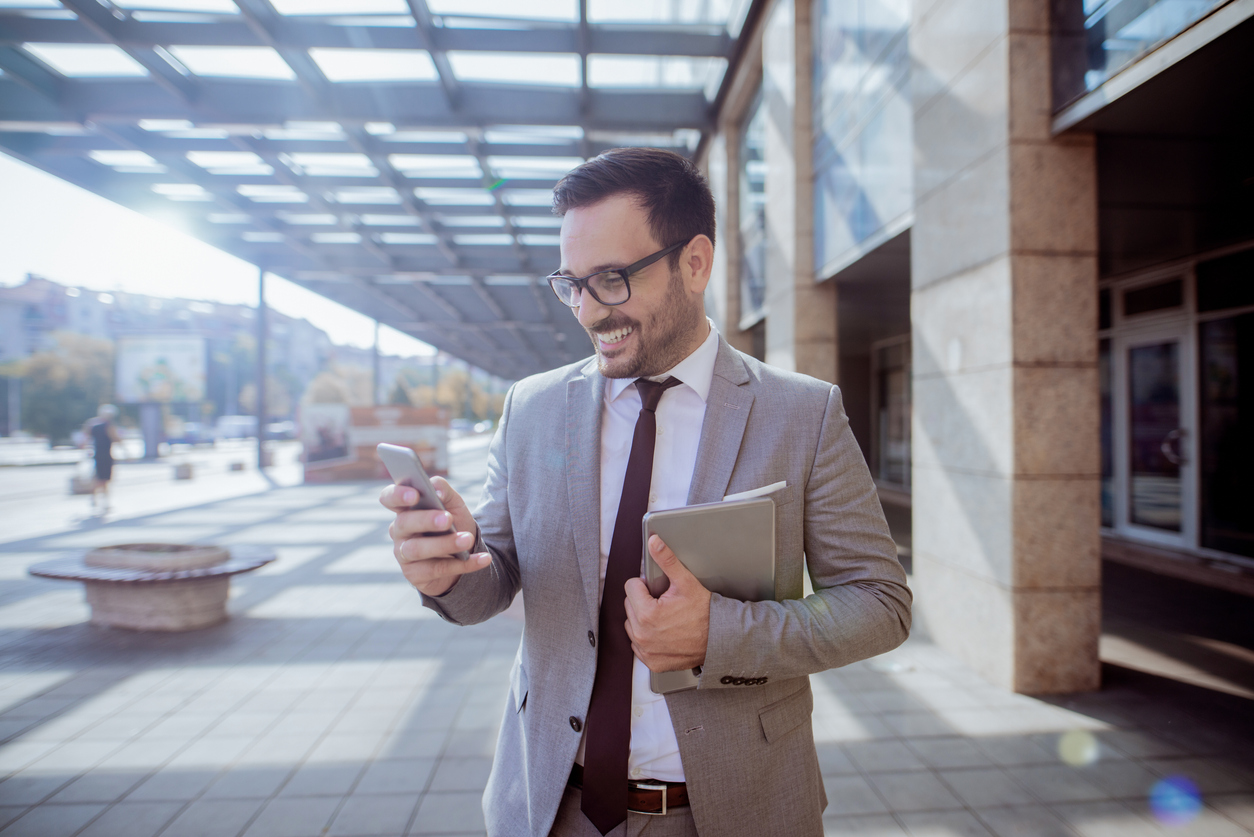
x=753, y=215
x=1226, y=349
x=863, y=140
x=891, y=440
x=1094, y=39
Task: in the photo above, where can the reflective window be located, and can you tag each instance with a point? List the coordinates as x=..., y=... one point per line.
x=1094, y=39
x=753, y=215
x=863, y=121
x=1226, y=435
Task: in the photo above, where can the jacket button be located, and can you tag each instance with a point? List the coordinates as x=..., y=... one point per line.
x=726, y=681
x=592, y=639
x=576, y=724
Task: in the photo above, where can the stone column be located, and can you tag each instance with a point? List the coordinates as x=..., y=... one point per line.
x=801, y=316
x=1004, y=297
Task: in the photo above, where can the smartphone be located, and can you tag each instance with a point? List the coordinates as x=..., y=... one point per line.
x=405, y=469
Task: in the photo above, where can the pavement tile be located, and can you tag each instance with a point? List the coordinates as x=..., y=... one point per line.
x=1024, y=821
x=852, y=795
x=833, y=760
x=173, y=784
x=914, y=791
x=1238, y=807
x=248, y=783
x=944, y=824
x=213, y=818
x=322, y=780
x=1207, y=824
x=876, y=825
x=983, y=787
x=408, y=744
x=461, y=774
x=1210, y=775
x=1057, y=783
x=98, y=785
x=876, y=756
x=1009, y=750
x=294, y=817
x=53, y=820
x=919, y=724
x=8, y=813
x=449, y=813
x=1106, y=819
x=949, y=752
x=132, y=819
x=28, y=788
x=366, y=815
x=396, y=776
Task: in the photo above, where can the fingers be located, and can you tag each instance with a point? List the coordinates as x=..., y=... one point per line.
x=432, y=547
x=398, y=497
x=435, y=576
x=668, y=562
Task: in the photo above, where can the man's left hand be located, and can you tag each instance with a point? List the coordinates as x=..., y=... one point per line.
x=669, y=633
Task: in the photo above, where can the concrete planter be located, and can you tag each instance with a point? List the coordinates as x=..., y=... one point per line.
x=157, y=587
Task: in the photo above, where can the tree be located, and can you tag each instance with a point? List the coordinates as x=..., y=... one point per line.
x=64, y=387
x=341, y=385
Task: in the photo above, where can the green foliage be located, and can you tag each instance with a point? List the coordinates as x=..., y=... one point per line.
x=63, y=388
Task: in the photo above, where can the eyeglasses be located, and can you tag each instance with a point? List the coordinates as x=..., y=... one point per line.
x=608, y=287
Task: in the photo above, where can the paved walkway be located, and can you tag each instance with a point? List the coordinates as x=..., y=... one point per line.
x=332, y=703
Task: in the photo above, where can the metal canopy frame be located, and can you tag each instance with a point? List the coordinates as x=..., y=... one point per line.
x=402, y=260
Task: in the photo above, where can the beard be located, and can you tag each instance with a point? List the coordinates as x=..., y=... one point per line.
x=661, y=340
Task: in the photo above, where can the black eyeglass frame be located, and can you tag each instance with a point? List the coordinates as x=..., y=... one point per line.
x=581, y=283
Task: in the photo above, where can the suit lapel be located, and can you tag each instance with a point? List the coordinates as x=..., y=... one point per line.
x=726, y=414
x=583, y=476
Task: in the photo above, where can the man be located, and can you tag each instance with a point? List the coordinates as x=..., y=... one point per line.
x=103, y=434
x=585, y=744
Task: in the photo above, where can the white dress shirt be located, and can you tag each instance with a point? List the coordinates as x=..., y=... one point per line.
x=654, y=750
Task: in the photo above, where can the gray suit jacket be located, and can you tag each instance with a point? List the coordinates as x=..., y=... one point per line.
x=747, y=747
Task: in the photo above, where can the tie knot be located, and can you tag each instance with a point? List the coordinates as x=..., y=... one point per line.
x=651, y=391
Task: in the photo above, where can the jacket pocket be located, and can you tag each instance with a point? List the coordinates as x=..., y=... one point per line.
x=783, y=716
x=518, y=686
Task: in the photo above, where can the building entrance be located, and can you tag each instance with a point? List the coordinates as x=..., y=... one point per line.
x=1177, y=388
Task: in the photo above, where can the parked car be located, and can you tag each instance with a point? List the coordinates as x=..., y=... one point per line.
x=281, y=430
x=195, y=433
x=237, y=427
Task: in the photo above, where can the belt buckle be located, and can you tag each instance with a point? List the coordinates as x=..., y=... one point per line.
x=662, y=788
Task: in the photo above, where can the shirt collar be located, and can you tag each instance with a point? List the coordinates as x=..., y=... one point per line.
x=695, y=371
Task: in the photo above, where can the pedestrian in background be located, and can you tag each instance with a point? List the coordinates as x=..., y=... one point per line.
x=103, y=433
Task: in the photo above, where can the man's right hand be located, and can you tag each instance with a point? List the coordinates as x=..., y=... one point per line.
x=426, y=560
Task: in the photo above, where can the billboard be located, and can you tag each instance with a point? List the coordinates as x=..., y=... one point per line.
x=164, y=369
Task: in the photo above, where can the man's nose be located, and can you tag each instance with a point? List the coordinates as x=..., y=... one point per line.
x=588, y=310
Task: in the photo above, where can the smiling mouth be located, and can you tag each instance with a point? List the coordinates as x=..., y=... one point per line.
x=613, y=338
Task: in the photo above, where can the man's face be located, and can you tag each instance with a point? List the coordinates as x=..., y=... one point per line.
x=663, y=321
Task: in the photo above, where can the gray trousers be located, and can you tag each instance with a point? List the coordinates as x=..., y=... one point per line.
x=571, y=822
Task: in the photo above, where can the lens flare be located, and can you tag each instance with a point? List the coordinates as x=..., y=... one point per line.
x=1175, y=800
x=1078, y=748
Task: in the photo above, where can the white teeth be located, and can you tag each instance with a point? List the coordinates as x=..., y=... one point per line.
x=609, y=337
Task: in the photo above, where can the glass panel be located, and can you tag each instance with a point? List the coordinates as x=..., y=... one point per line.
x=753, y=216
x=1226, y=282
x=863, y=126
x=892, y=438
x=1094, y=39
x=1103, y=309
x=1154, y=298
x=1107, y=433
x=1227, y=434
x=1154, y=422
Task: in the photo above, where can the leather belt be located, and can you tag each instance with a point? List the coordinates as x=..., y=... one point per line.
x=648, y=797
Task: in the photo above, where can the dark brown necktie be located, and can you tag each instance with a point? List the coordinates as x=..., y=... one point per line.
x=609, y=712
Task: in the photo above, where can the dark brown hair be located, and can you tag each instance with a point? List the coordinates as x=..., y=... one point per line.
x=671, y=190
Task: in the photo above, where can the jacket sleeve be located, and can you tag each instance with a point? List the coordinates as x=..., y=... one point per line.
x=861, y=604
x=478, y=596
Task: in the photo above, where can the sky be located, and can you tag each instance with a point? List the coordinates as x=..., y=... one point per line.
x=71, y=236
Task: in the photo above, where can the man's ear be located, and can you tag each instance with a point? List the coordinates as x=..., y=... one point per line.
x=696, y=264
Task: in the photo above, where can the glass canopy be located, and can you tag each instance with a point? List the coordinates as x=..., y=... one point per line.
x=370, y=150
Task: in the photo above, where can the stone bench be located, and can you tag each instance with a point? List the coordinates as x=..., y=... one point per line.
x=157, y=587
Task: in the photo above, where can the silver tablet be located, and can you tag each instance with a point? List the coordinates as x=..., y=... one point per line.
x=729, y=546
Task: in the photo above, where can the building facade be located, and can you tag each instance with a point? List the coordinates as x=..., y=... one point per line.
x=1020, y=237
